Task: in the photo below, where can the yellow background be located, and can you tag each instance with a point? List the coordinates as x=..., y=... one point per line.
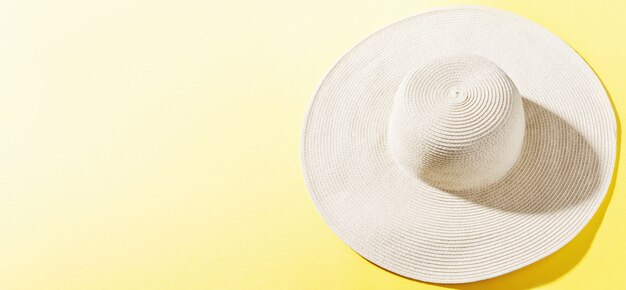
x=155, y=144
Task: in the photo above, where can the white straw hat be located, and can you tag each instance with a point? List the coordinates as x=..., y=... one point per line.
x=458, y=145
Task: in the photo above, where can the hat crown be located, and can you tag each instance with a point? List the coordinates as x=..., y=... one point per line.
x=457, y=123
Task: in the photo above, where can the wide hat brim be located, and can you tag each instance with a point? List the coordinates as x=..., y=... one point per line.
x=402, y=224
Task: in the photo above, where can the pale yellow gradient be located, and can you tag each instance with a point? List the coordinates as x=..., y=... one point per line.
x=155, y=144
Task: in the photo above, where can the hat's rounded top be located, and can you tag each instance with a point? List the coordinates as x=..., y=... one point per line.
x=457, y=123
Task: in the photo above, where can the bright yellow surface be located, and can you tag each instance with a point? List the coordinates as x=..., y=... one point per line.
x=155, y=144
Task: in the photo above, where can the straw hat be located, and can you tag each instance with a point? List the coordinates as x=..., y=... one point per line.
x=458, y=145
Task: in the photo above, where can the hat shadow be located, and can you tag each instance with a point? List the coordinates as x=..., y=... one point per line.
x=560, y=262
x=563, y=260
x=557, y=169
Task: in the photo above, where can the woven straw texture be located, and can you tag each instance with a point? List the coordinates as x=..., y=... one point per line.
x=458, y=145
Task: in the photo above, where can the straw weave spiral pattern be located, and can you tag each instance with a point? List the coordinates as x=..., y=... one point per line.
x=457, y=123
